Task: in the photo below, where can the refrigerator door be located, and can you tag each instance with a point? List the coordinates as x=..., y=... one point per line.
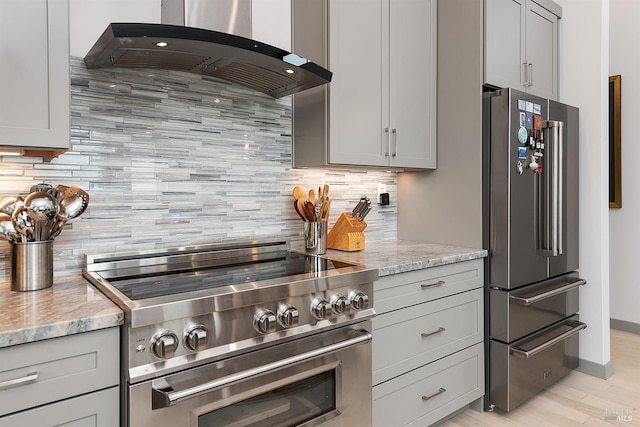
x=515, y=258
x=567, y=260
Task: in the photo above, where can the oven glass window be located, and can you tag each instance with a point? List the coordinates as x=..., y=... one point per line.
x=286, y=406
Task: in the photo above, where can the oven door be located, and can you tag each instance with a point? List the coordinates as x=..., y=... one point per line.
x=323, y=379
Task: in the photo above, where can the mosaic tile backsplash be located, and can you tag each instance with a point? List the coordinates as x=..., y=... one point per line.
x=172, y=159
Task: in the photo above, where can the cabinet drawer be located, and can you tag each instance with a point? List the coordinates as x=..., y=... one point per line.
x=406, y=339
x=426, y=395
x=414, y=287
x=58, y=368
x=99, y=409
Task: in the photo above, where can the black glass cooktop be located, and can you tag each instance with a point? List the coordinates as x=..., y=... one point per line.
x=152, y=281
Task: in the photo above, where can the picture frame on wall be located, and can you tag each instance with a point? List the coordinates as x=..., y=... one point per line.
x=615, y=151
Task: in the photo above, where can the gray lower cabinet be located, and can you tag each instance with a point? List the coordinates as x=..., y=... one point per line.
x=428, y=352
x=68, y=381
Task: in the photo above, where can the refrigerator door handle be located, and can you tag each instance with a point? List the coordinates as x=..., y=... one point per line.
x=526, y=301
x=526, y=354
x=552, y=245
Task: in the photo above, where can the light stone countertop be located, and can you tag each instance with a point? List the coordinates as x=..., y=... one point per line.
x=401, y=256
x=72, y=305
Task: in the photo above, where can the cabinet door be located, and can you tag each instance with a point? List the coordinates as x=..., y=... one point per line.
x=34, y=70
x=504, y=43
x=412, y=94
x=356, y=89
x=542, y=46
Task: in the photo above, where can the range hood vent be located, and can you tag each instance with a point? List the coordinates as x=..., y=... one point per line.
x=222, y=56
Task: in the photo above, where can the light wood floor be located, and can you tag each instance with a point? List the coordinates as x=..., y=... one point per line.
x=578, y=399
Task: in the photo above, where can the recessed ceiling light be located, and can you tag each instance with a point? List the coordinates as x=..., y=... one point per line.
x=289, y=71
x=162, y=44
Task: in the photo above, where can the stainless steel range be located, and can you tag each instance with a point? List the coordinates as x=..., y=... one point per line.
x=249, y=334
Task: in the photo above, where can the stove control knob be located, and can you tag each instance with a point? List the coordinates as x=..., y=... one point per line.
x=265, y=321
x=164, y=344
x=196, y=337
x=359, y=300
x=339, y=304
x=320, y=308
x=287, y=316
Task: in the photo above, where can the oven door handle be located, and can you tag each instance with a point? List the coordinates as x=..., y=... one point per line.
x=163, y=398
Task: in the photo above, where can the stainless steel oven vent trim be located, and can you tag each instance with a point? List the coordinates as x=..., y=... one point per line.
x=106, y=262
x=226, y=57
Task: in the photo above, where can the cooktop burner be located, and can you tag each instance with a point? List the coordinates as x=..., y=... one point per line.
x=141, y=282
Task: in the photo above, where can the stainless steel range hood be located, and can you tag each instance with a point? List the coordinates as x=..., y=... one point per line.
x=215, y=54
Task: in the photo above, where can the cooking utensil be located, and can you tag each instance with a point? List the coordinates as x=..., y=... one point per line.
x=324, y=215
x=300, y=203
x=9, y=204
x=295, y=206
x=7, y=230
x=57, y=192
x=312, y=196
x=299, y=193
x=23, y=224
x=310, y=211
x=43, y=209
x=75, y=202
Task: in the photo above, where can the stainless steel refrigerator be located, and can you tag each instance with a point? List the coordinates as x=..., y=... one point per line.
x=530, y=217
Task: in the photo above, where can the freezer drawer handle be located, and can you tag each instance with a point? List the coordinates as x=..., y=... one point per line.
x=432, y=395
x=433, y=285
x=524, y=354
x=532, y=300
x=437, y=331
x=30, y=378
x=163, y=398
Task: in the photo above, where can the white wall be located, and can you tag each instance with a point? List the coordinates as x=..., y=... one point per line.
x=584, y=68
x=624, y=59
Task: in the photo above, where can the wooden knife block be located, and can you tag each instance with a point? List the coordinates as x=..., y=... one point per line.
x=347, y=233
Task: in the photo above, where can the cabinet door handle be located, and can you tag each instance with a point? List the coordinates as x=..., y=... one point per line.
x=30, y=378
x=432, y=395
x=432, y=285
x=530, y=74
x=394, y=153
x=526, y=73
x=388, y=134
x=437, y=331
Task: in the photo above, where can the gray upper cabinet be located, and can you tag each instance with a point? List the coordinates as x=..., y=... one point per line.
x=521, y=45
x=34, y=70
x=380, y=107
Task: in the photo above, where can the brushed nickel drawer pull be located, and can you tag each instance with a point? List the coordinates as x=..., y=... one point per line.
x=437, y=331
x=30, y=378
x=440, y=391
x=433, y=285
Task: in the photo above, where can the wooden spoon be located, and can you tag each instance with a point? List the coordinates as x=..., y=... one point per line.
x=312, y=196
x=300, y=204
x=299, y=193
x=310, y=211
x=295, y=206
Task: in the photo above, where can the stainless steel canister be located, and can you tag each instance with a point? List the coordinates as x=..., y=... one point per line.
x=31, y=265
x=315, y=236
